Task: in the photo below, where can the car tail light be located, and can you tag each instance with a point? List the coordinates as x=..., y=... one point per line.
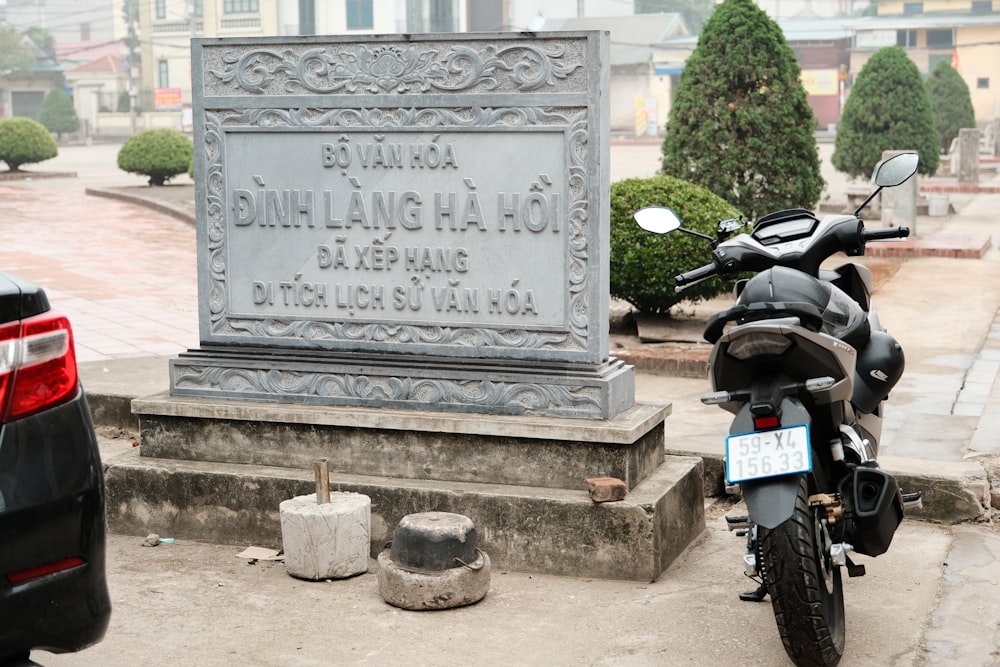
x=49, y=568
x=37, y=365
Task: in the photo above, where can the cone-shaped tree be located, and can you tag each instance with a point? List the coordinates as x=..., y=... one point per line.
x=950, y=102
x=741, y=124
x=57, y=113
x=887, y=109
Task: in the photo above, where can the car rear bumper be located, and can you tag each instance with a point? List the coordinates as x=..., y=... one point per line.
x=52, y=511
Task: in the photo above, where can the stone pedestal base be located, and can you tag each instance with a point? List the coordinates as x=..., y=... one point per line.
x=457, y=587
x=218, y=470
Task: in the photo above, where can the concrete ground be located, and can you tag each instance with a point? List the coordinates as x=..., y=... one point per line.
x=127, y=278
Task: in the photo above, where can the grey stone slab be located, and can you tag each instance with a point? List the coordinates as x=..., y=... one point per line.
x=411, y=382
x=983, y=371
x=440, y=194
x=963, y=629
x=931, y=436
x=525, y=529
x=954, y=491
x=532, y=451
x=986, y=439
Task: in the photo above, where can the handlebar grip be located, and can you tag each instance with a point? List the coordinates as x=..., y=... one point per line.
x=695, y=275
x=885, y=234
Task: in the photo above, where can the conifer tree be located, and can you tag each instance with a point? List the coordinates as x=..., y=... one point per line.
x=887, y=109
x=57, y=113
x=741, y=124
x=950, y=102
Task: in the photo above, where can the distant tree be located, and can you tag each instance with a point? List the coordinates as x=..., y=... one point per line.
x=741, y=124
x=695, y=12
x=24, y=141
x=44, y=40
x=950, y=102
x=15, y=58
x=887, y=109
x=57, y=113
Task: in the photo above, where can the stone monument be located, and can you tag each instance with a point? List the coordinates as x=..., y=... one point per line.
x=404, y=223
x=403, y=268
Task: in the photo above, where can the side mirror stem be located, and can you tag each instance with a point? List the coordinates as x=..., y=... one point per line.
x=708, y=238
x=857, y=211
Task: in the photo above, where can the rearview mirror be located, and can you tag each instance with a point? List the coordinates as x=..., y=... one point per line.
x=657, y=219
x=896, y=170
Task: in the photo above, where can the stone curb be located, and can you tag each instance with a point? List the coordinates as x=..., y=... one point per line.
x=147, y=202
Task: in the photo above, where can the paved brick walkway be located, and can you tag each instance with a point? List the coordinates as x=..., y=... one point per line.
x=103, y=263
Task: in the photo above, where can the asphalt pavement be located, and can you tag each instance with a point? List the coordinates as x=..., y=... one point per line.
x=126, y=275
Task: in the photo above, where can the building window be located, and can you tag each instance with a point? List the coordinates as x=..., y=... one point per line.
x=906, y=38
x=199, y=7
x=913, y=8
x=163, y=74
x=161, y=9
x=241, y=6
x=359, y=15
x=983, y=82
x=982, y=6
x=940, y=38
x=84, y=32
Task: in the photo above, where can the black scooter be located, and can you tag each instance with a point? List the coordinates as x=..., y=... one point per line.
x=804, y=365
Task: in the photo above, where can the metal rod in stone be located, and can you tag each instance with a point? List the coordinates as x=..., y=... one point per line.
x=322, y=469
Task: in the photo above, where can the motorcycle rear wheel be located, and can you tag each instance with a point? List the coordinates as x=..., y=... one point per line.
x=807, y=594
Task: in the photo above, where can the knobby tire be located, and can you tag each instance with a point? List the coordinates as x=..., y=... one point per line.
x=807, y=594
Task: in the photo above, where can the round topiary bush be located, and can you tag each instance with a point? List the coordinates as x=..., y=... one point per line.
x=643, y=265
x=160, y=154
x=24, y=141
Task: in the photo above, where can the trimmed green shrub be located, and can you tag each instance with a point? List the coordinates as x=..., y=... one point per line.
x=950, y=102
x=887, y=109
x=741, y=124
x=643, y=264
x=160, y=154
x=25, y=141
x=57, y=113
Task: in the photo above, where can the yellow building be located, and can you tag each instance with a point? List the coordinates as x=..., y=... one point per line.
x=965, y=33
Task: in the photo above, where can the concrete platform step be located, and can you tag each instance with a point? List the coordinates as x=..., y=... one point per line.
x=525, y=529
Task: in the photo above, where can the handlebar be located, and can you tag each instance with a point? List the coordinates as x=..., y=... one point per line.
x=695, y=275
x=885, y=234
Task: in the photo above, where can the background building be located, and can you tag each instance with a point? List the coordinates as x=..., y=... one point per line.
x=112, y=65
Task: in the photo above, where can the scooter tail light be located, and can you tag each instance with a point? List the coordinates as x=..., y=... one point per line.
x=37, y=365
x=764, y=423
x=756, y=344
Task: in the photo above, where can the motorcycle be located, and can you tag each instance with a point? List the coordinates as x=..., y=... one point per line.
x=804, y=365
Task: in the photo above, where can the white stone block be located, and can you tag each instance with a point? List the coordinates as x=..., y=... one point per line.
x=328, y=541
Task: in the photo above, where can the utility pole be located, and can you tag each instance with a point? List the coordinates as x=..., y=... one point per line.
x=130, y=12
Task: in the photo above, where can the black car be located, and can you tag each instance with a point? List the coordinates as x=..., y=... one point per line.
x=53, y=591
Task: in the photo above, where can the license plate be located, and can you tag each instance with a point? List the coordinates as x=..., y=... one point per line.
x=783, y=451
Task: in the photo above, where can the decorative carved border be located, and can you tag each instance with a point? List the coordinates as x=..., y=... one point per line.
x=362, y=70
x=373, y=388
